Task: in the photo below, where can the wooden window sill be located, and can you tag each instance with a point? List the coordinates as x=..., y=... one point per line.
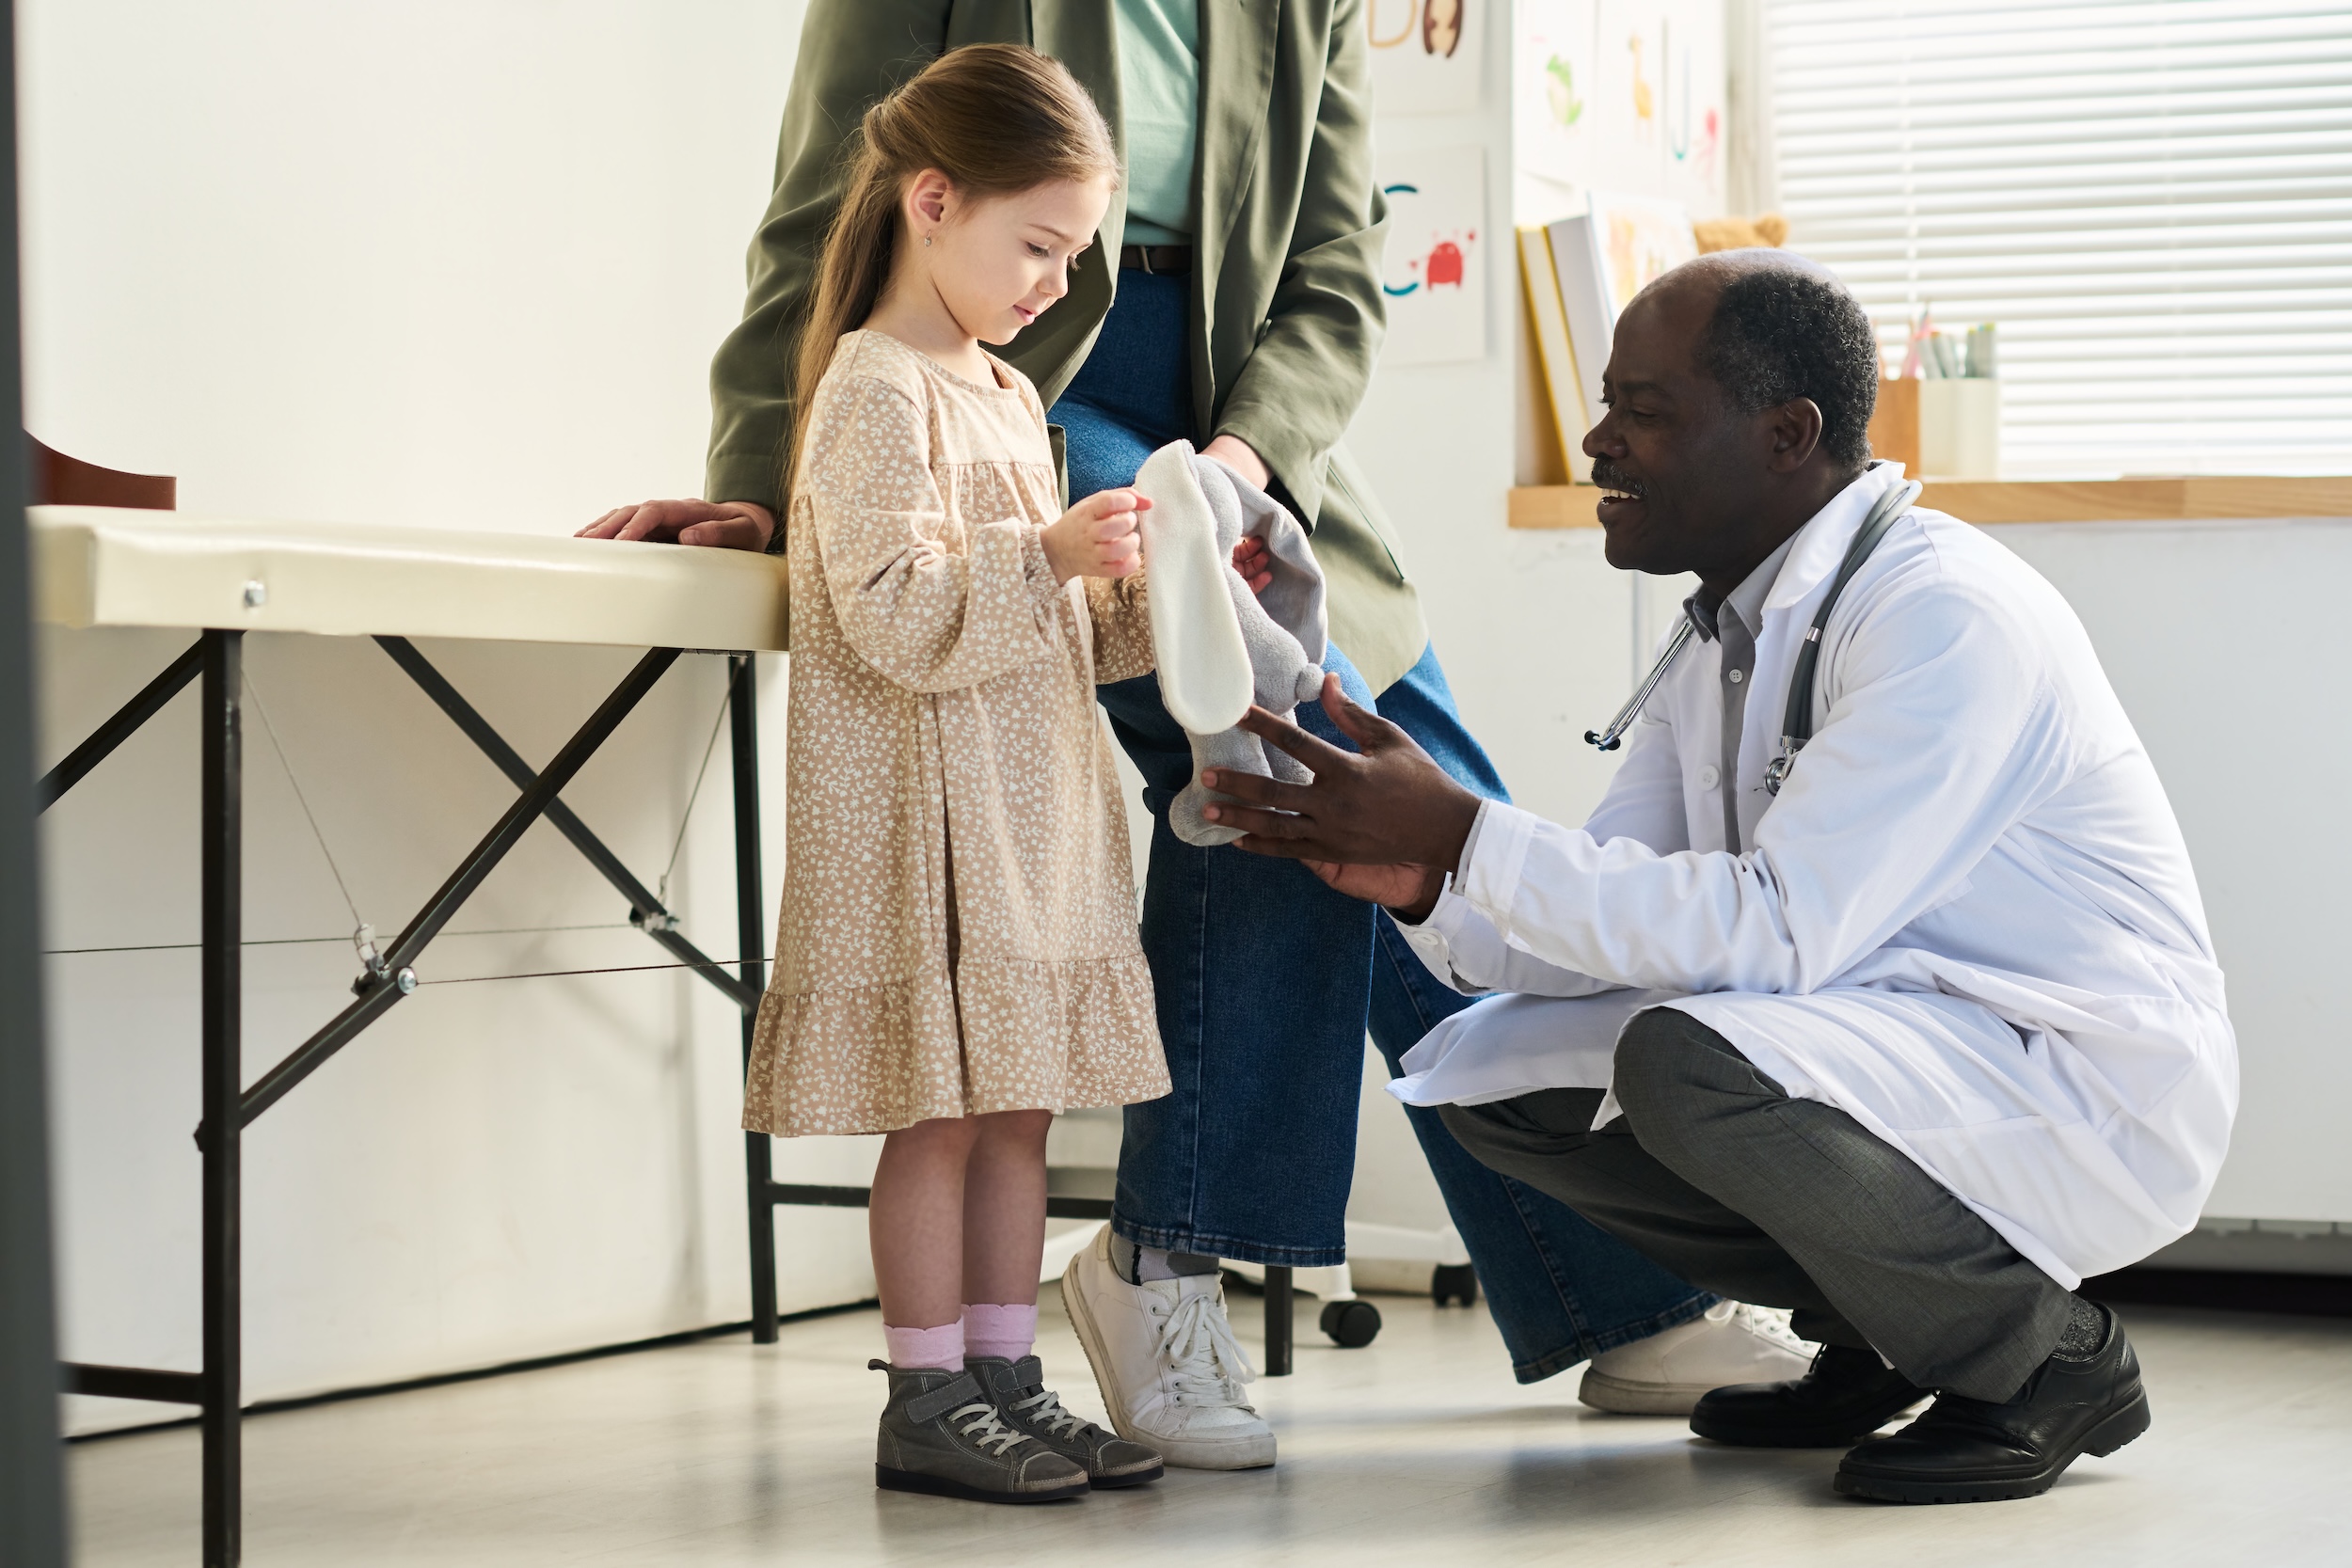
x=2110, y=500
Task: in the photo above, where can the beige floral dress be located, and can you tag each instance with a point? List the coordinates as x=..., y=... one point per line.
x=958, y=924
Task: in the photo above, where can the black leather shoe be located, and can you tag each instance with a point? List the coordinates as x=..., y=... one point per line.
x=1847, y=1395
x=1965, y=1450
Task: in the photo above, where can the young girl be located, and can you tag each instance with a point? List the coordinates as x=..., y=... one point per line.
x=957, y=958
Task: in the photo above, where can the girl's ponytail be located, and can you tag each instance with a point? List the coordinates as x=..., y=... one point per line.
x=995, y=119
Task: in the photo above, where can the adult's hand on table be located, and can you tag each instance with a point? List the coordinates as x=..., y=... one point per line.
x=721, y=525
x=1387, y=807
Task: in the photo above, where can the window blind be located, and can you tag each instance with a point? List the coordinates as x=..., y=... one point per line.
x=2153, y=200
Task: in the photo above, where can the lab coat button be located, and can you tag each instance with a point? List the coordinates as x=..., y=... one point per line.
x=1709, y=777
x=1735, y=676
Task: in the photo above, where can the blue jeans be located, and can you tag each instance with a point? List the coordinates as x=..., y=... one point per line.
x=1266, y=979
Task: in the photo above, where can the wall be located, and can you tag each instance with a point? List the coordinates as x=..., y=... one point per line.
x=2214, y=636
x=456, y=263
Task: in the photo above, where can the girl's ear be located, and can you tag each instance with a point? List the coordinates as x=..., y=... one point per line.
x=931, y=197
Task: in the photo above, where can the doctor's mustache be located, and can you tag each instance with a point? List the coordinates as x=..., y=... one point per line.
x=1607, y=475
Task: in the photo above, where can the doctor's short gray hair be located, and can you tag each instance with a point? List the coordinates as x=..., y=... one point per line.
x=1786, y=328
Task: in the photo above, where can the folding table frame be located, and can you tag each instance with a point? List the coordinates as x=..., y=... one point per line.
x=216, y=661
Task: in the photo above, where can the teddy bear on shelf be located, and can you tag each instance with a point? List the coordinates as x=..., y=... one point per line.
x=1769, y=230
x=1220, y=646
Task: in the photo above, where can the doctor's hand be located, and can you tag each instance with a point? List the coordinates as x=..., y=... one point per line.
x=1387, y=805
x=723, y=524
x=1408, y=891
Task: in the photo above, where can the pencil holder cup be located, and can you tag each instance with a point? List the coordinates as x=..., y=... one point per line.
x=1959, y=429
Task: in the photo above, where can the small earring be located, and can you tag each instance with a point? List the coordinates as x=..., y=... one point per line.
x=926, y=239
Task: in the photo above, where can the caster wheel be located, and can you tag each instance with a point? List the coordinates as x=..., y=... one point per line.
x=1351, y=1324
x=1451, y=1282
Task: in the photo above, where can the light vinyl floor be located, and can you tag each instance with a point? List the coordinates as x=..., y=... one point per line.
x=1418, y=1450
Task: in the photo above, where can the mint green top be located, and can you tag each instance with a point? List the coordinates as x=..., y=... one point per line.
x=1159, y=95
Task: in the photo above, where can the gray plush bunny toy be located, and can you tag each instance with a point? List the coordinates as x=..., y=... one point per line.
x=1220, y=647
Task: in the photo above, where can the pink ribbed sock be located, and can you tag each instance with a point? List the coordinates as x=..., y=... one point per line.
x=941, y=1347
x=1007, y=1331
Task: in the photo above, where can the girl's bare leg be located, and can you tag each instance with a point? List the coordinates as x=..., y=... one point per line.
x=916, y=1221
x=1004, y=1207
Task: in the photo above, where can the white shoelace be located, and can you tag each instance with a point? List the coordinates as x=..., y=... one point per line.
x=1047, y=1411
x=1200, y=1347
x=985, y=1427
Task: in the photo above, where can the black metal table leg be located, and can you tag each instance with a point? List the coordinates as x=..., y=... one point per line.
x=218, y=1390
x=121, y=726
x=382, y=993
x=750, y=929
x=1278, y=1320
x=645, y=909
x=223, y=930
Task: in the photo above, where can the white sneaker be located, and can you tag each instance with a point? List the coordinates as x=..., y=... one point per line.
x=1166, y=1363
x=1665, y=1374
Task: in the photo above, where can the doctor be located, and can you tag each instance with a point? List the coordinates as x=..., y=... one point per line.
x=1910, y=1046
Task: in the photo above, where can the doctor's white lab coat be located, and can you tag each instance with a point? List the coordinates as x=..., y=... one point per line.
x=1968, y=919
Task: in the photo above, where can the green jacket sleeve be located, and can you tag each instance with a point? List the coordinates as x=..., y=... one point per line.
x=1300, y=388
x=852, y=51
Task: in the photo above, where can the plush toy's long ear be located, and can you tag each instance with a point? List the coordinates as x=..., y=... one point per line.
x=1205, y=677
x=1293, y=600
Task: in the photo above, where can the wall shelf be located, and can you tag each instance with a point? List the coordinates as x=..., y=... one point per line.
x=2110, y=500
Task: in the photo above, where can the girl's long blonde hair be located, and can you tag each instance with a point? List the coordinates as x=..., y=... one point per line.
x=995, y=119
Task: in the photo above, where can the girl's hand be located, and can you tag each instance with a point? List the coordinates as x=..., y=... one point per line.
x=1254, y=563
x=1097, y=538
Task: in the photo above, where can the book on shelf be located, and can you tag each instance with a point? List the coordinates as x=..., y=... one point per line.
x=1600, y=258
x=1579, y=272
x=1555, y=359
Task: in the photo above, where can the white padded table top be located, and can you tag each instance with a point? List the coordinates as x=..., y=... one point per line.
x=107, y=567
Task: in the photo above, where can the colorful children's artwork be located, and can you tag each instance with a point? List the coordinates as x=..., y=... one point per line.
x=1692, y=69
x=1622, y=95
x=1435, y=273
x=1426, y=55
x=1639, y=239
x=1552, y=88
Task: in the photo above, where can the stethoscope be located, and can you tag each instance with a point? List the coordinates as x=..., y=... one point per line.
x=1796, y=725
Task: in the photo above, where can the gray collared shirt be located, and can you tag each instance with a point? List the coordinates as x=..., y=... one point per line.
x=1735, y=625
x=1745, y=621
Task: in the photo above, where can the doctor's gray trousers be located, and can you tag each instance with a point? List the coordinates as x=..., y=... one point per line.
x=1716, y=1172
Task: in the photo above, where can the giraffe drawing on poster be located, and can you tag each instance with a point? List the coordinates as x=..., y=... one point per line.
x=1645, y=102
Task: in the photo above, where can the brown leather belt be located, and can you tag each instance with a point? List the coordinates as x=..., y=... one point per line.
x=1173, y=260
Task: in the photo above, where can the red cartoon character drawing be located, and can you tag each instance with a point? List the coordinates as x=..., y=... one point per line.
x=1444, y=264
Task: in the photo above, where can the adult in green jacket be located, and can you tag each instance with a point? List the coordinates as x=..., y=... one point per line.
x=1234, y=299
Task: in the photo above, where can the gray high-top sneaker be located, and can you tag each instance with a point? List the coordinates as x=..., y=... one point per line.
x=942, y=1433
x=1019, y=1390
